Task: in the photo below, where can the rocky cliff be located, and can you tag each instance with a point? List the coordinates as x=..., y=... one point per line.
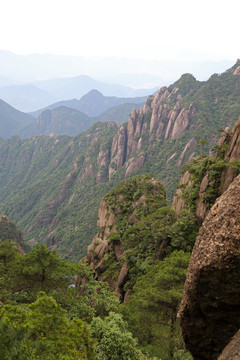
x=122, y=214
x=158, y=118
x=206, y=178
x=51, y=186
x=210, y=307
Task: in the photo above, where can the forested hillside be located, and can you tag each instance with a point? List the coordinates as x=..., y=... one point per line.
x=42, y=314
x=52, y=186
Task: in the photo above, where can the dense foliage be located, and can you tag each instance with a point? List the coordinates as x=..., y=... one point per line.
x=51, y=187
x=44, y=316
x=62, y=322
x=153, y=305
x=146, y=227
x=213, y=168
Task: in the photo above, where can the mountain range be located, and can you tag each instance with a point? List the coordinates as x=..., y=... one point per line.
x=136, y=73
x=69, y=117
x=33, y=96
x=51, y=186
x=93, y=103
x=34, y=81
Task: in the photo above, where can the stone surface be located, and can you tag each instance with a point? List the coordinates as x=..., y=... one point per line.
x=210, y=311
x=102, y=246
x=178, y=202
x=232, y=350
x=190, y=145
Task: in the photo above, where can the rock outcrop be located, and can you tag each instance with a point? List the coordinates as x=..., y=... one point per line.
x=210, y=312
x=124, y=207
x=232, y=350
x=229, y=153
x=155, y=119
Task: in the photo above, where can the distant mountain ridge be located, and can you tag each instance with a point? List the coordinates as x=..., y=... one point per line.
x=68, y=117
x=12, y=120
x=76, y=87
x=51, y=186
x=59, y=121
x=127, y=71
x=93, y=103
x=32, y=96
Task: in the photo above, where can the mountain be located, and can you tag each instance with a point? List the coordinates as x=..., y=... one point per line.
x=210, y=187
x=131, y=72
x=119, y=113
x=76, y=87
x=51, y=187
x=59, y=121
x=212, y=290
x=129, y=221
x=93, y=103
x=63, y=120
x=26, y=97
x=12, y=120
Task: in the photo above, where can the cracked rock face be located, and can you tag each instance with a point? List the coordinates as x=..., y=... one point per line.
x=210, y=309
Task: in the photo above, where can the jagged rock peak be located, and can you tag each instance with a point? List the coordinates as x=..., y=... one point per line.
x=210, y=313
x=228, y=155
x=127, y=204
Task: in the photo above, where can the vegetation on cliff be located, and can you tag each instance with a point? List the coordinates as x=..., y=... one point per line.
x=43, y=316
x=142, y=251
x=35, y=291
x=51, y=186
x=205, y=178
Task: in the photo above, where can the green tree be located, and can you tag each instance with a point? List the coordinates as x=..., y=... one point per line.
x=114, y=341
x=9, y=255
x=184, y=231
x=201, y=144
x=42, y=269
x=92, y=298
x=42, y=331
x=153, y=305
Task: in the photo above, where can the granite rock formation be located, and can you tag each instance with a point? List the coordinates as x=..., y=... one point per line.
x=229, y=151
x=133, y=203
x=210, y=312
x=232, y=350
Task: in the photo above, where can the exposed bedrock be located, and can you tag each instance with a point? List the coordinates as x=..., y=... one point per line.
x=210, y=309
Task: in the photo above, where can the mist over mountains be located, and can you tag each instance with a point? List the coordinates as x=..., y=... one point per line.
x=69, y=117
x=51, y=185
x=138, y=73
x=31, y=82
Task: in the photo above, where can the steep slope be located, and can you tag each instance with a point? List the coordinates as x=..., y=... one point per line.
x=53, y=173
x=48, y=187
x=118, y=251
x=119, y=113
x=12, y=120
x=210, y=306
x=9, y=231
x=60, y=121
x=206, y=178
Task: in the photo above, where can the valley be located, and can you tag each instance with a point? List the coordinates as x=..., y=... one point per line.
x=120, y=206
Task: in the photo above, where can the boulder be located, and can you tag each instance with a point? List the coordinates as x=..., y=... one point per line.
x=210, y=311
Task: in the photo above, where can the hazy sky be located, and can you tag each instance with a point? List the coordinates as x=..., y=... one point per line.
x=153, y=29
